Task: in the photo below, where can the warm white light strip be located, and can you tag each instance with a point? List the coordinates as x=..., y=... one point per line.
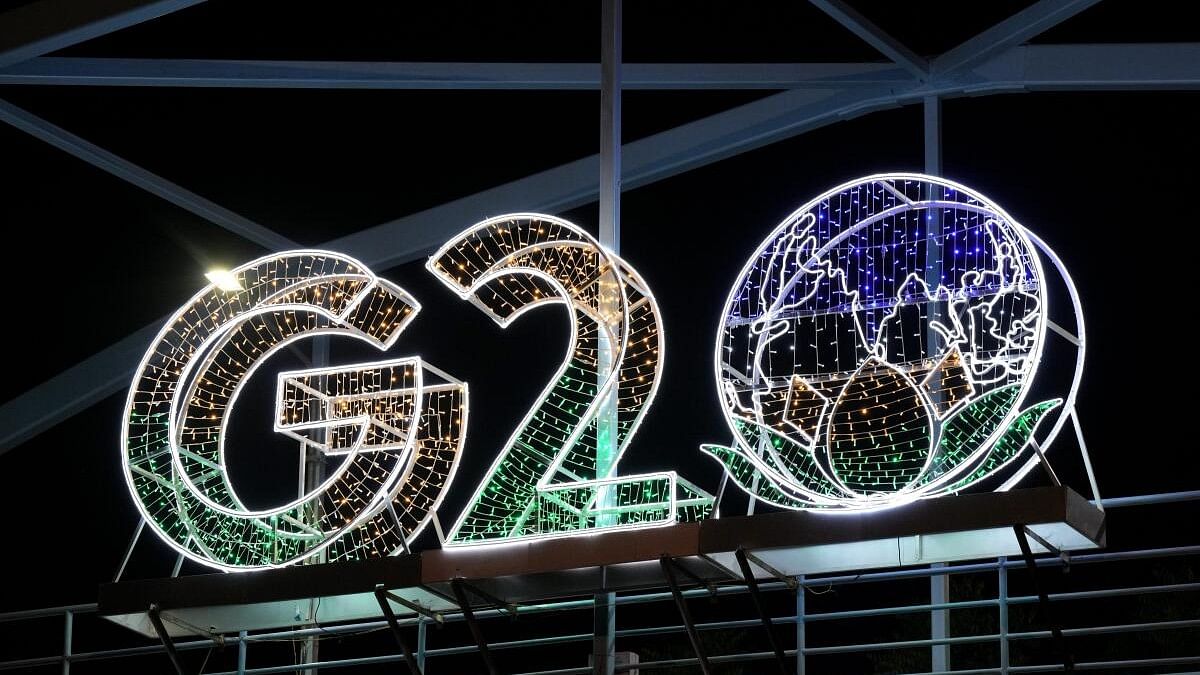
x=177, y=413
x=507, y=266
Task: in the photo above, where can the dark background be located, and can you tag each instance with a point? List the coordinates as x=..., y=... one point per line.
x=1107, y=179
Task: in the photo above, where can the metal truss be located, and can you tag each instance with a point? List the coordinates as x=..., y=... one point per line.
x=815, y=95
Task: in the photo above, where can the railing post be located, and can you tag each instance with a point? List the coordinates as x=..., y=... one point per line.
x=939, y=593
x=800, y=642
x=422, y=627
x=68, y=635
x=242, y=645
x=1002, y=597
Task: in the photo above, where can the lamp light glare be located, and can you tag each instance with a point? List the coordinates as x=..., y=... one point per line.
x=224, y=280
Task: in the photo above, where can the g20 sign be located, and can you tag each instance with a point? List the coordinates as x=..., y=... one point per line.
x=881, y=346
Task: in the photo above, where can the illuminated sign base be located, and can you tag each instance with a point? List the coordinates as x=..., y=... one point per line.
x=538, y=571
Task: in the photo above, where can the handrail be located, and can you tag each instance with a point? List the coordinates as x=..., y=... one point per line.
x=68, y=611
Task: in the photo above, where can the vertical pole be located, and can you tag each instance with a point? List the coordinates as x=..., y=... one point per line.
x=314, y=475
x=939, y=584
x=939, y=593
x=933, y=135
x=422, y=637
x=604, y=609
x=800, y=639
x=604, y=634
x=241, y=658
x=610, y=125
x=1002, y=596
x=68, y=634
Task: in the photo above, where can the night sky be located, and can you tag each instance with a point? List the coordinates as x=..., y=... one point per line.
x=1107, y=179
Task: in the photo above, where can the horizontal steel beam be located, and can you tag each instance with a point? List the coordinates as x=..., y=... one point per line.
x=49, y=25
x=78, y=71
x=1100, y=67
x=1013, y=31
x=1107, y=67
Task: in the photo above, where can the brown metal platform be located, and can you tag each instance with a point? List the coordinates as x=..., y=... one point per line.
x=797, y=542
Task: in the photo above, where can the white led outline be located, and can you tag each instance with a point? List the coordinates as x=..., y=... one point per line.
x=625, y=275
x=1031, y=243
x=202, y=354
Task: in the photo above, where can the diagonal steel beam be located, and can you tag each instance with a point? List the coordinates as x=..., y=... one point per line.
x=645, y=161
x=1018, y=28
x=875, y=36
x=124, y=72
x=121, y=168
x=49, y=25
x=1099, y=67
x=73, y=390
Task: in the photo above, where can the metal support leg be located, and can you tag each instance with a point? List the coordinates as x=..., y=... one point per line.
x=476, y=633
x=1043, y=599
x=752, y=584
x=681, y=605
x=168, y=643
x=1087, y=459
x=801, y=640
x=1002, y=598
x=137, y=533
x=939, y=584
x=390, y=617
x=939, y=593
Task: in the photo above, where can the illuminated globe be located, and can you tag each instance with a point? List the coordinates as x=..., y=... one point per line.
x=880, y=347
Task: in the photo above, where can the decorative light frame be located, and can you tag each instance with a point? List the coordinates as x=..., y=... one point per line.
x=563, y=264
x=762, y=470
x=197, y=360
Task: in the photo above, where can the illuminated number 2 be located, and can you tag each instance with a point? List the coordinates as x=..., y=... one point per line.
x=557, y=473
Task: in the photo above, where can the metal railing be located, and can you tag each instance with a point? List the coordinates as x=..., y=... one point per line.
x=801, y=620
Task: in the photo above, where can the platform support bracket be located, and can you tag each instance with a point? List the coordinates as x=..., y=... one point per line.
x=752, y=584
x=1043, y=598
x=668, y=568
x=460, y=593
x=382, y=597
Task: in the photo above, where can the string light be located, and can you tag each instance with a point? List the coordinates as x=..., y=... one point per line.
x=553, y=477
x=879, y=347
x=398, y=424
